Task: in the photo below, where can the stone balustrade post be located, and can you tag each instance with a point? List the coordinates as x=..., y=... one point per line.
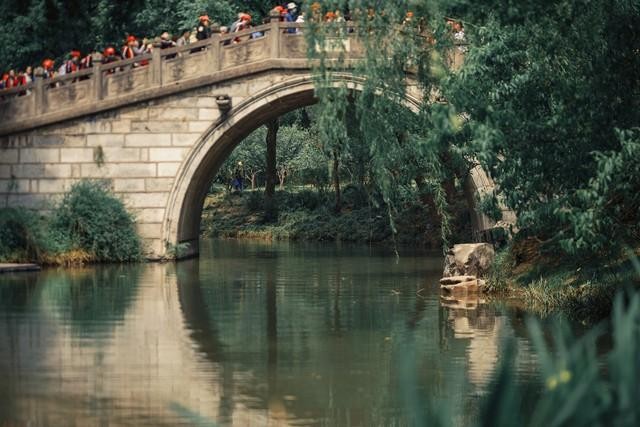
x=38, y=96
x=214, y=53
x=96, y=77
x=275, y=35
x=156, y=66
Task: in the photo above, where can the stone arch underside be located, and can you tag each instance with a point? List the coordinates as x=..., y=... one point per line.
x=184, y=208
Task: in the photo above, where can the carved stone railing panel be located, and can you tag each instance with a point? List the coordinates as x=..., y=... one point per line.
x=123, y=83
x=245, y=52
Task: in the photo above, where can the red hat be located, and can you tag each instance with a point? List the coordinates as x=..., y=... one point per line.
x=76, y=54
x=5, y=76
x=110, y=51
x=47, y=64
x=279, y=9
x=245, y=17
x=205, y=18
x=131, y=39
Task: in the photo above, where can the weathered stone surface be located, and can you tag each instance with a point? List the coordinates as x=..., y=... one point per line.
x=159, y=126
x=166, y=154
x=9, y=155
x=168, y=169
x=54, y=185
x=473, y=259
x=121, y=155
x=121, y=126
x=147, y=140
x=5, y=171
x=39, y=155
x=105, y=140
x=149, y=230
x=132, y=185
x=158, y=184
x=173, y=113
x=185, y=139
x=44, y=140
x=209, y=114
x=14, y=186
x=149, y=215
x=146, y=200
x=200, y=126
x=75, y=140
x=76, y=155
x=119, y=170
x=41, y=171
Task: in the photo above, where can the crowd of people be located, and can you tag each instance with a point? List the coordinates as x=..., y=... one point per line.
x=134, y=46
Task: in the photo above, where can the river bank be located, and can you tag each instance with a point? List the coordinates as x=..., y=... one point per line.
x=307, y=215
x=549, y=283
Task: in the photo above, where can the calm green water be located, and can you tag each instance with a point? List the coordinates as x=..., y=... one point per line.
x=250, y=334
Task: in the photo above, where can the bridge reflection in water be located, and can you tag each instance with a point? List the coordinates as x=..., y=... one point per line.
x=250, y=334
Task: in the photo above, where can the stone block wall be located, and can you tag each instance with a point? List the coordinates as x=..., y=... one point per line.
x=139, y=149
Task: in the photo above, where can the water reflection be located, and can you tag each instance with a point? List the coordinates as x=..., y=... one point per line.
x=250, y=334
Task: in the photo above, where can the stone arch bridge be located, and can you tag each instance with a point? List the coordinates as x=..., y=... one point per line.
x=159, y=127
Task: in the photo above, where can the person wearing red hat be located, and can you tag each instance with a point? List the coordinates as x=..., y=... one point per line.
x=203, y=31
x=281, y=11
x=129, y=49
x=244, y=24
x=48, y=68
x=108, y=56
x=73, y=64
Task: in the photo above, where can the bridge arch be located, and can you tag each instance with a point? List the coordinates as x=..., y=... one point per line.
x=184, y=207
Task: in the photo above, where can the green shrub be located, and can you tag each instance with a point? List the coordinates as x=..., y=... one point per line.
x=92, y=219
x=255, y=200
x=22, y=235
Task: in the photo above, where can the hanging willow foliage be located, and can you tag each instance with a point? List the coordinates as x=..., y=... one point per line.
x=393, y=88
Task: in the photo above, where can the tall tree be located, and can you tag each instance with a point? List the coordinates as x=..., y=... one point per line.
x=271, y=170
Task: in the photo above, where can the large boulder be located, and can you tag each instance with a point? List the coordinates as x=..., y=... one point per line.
x=469, y=259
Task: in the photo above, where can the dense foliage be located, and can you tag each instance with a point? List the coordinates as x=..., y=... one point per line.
x=31, y=30
x=89, y=225
x=547, y=101
x=91, y=218
x=308, y=166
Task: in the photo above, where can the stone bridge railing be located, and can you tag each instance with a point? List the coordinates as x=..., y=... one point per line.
x=161, y=73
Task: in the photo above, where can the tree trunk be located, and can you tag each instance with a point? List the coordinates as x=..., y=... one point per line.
x=270, y=212
x=336, y=180
x=282, y=175
x=253, y=180
x=271, y=172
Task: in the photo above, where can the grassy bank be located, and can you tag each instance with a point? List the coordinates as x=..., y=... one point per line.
x=547, y=283
x=307, y=215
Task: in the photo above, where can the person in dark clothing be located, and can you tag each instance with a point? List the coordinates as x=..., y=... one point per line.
x=203, y=31
x=238, y=179
x=291, y=16
x=167, y=43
